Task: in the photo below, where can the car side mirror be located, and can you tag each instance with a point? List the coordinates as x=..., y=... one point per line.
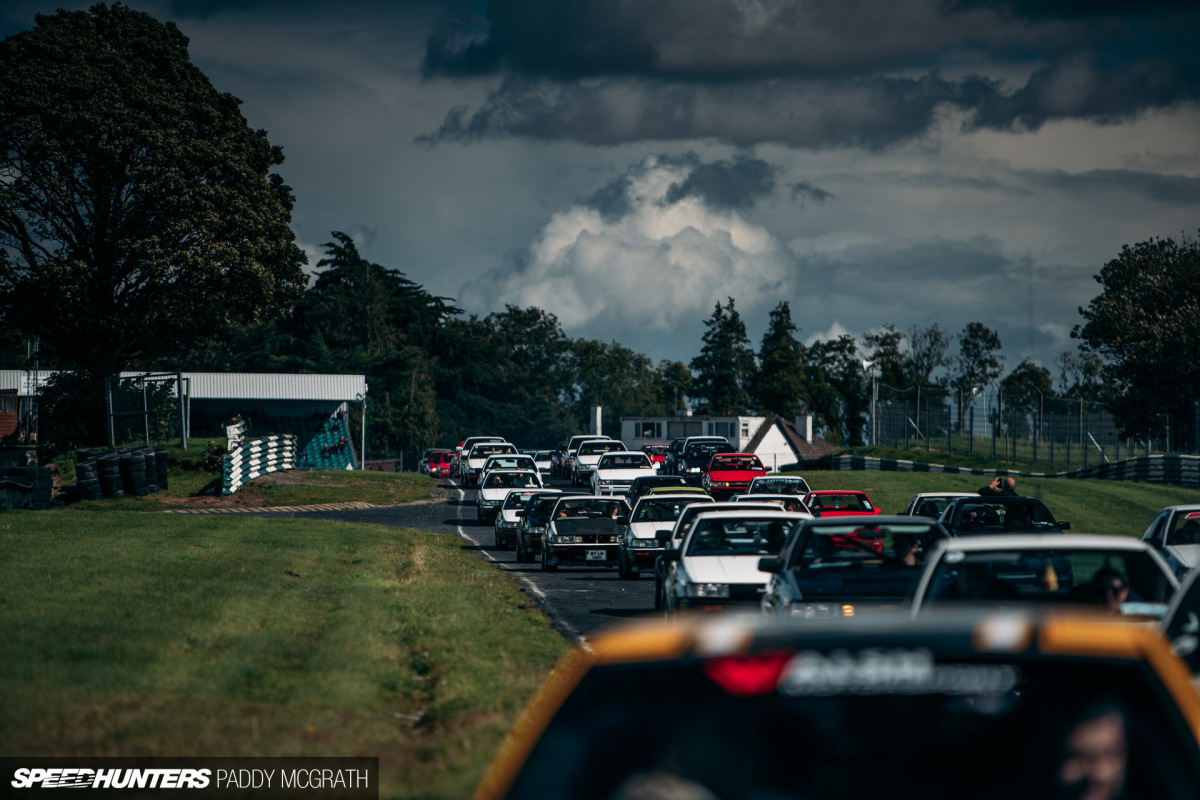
x=771, y=564
x=662, y=536
x=1066, y=526
x=670, y=555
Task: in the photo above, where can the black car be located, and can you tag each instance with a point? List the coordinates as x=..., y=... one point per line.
x=583, y=531
x=644, y=484
x=973, y=516
x=531, y=523
x=695, y=459
x=836, y=566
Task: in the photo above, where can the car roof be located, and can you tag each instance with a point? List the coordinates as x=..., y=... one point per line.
x=623, y=453
x=757, y=513
x=656, y=490
x=1034, y=541
x=837, y=491
x=667, y=496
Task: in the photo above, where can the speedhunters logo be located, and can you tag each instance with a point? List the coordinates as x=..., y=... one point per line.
x=83, y=778
x=190, y=777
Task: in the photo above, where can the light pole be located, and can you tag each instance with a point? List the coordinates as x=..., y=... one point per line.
x=874, y=400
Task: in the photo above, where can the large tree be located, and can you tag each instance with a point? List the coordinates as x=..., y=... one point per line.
x=138, y=210
x=781, y=365
x=1145, y=324
x=725, y=368
x=978, y=362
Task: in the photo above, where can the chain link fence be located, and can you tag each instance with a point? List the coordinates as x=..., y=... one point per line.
x=148, y=409
x=1058, y=434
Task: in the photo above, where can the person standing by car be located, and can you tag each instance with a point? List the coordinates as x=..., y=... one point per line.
x=1000, y=487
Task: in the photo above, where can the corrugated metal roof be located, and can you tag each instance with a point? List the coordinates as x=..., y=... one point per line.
x=242, y=385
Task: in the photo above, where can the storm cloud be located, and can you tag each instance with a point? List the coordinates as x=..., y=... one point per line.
x=855, y=74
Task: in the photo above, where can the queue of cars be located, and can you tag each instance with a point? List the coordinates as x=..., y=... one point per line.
x=942, y=627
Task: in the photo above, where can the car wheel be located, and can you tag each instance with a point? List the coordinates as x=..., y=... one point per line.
x=658, y=601
x=496, y=537
x=520, y=546
x=622, y=573
x=546, y=565
x=478, y=515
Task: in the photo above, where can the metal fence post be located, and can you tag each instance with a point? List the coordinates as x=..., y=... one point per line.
x=971, y=433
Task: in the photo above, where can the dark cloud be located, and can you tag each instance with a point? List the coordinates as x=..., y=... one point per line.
x=814, y=193
x=1082, y=89
x=1177, y=190
x=736, y=185
x=812, y=75
x=871, y=113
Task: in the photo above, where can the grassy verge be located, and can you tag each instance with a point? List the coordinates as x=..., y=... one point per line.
x=1091, y=506
x=136, y=634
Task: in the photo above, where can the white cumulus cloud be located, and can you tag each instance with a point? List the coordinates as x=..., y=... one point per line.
x=654, y=264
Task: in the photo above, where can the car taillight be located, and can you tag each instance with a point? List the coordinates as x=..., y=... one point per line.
x=744, y=676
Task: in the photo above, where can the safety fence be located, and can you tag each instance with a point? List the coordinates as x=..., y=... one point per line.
x=257, y=457
x=331, y=447
x=1178, y=470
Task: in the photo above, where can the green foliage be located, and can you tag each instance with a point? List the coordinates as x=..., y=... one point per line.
x=725, y=369
x=838, y=391
x=781, y=366
x=886, y=348
x=138, y=214
x=1026, y=385
x=977, y=362
x=1144, y=324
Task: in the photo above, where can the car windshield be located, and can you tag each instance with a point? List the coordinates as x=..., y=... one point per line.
x=540, y=510
x=847, y=501
x=485, y=450
x=543, y=456
x=1185, y=529
x=664, y=510
x=982, y=516
x=637, y=461
x=1129, y=581
x=736, y=463
x=707, y=449
x=780, y=486
x=510, y=480
x=826, y=547
x=587, y=508
x=510, y=462
x=817, y=728
x=516, y=500
x=738, y=537
x=592, y=448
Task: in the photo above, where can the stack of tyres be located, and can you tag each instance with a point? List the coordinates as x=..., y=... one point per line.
x=109, y=471
x=151, y=462
x=133, y=474
x=43, y=488
x=87, y=480
x=160, y=457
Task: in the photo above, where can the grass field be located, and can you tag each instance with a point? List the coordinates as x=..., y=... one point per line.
x=143, y=634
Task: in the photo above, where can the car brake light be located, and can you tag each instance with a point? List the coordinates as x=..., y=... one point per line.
x=743, y=676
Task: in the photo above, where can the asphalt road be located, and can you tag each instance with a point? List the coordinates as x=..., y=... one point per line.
x=578, y=600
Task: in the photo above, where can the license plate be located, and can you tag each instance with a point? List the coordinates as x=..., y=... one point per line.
x=597, y=555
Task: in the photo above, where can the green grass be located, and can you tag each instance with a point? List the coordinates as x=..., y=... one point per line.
x=138, y=634
x=1091, y=506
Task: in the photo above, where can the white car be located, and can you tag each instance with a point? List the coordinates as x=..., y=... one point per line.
x=1175, y=534
x=588, y=455
x=616, y=470
x=778, y=484
x=653, y=513
x=495, y=489
x=1002, y=570
x=932, y=504
x=543, y=459
x=472, y=463
x=716, y=565
x=507, y=461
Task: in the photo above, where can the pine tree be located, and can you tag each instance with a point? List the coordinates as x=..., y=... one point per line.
x=725, y=368
x=781, y=372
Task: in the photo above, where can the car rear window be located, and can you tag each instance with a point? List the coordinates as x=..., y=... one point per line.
x=873, y=723
x=840, y=502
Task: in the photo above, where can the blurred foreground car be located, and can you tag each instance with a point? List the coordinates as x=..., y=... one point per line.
x=1175, y=533
x=941, y=708
x=1112, y=573
x=844, y=566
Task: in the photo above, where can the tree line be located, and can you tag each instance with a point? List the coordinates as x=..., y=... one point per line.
x=142, y=226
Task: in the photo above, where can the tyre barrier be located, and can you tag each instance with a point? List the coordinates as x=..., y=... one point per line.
x=1173, y=469
x=257, y=457
x=125, y=471
x=26, y=487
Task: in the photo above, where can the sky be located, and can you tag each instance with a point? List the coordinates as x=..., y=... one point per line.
x=628, y=165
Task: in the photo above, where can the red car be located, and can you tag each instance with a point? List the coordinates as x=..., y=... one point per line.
x=730, y=473
x=840, y=503
x=441, y=467
x=656, y=452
